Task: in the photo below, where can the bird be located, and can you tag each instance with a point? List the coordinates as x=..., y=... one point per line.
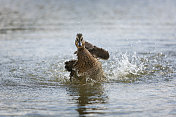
x=87, y=65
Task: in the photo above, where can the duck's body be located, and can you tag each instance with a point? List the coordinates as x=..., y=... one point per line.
x=86, y=65
x=85, y=60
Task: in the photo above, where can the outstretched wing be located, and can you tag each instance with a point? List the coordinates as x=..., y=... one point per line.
x=96, y=51
x=99, y=53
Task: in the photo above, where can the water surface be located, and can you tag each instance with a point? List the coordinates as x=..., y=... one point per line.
x=37, y=37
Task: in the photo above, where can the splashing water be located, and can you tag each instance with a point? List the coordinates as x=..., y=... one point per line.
x=131, y=68
x=125, y=68
x=128, y=69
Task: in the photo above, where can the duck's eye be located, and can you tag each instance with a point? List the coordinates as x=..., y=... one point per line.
x=81, y=39
x=77, y=39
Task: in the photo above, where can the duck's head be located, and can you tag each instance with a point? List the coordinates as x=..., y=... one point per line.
x=79, y=42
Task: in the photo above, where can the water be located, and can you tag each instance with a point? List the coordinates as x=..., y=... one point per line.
x=37, y=37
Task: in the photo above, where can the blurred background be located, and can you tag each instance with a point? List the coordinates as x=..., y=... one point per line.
x=121, y=18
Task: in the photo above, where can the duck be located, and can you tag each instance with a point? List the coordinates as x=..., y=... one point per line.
x=87, y=65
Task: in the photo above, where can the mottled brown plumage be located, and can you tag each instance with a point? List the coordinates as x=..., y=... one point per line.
x=87, y=64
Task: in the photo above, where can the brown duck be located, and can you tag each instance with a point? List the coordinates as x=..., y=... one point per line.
x=87, y=64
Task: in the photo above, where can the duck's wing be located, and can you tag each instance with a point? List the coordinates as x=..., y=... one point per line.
x=96, y=51
x=89, y=45
x=69, y=65
x=99, y=53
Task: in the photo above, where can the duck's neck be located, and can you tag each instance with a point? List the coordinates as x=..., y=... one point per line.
x=84, y=54
x=85, y=58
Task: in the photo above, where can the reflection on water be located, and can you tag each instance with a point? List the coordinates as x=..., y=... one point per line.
x=37, y=37
x=89, y=98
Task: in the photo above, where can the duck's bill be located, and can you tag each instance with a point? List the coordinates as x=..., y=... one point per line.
x=79, y=44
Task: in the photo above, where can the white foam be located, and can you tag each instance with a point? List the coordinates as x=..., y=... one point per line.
x=127, y=67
